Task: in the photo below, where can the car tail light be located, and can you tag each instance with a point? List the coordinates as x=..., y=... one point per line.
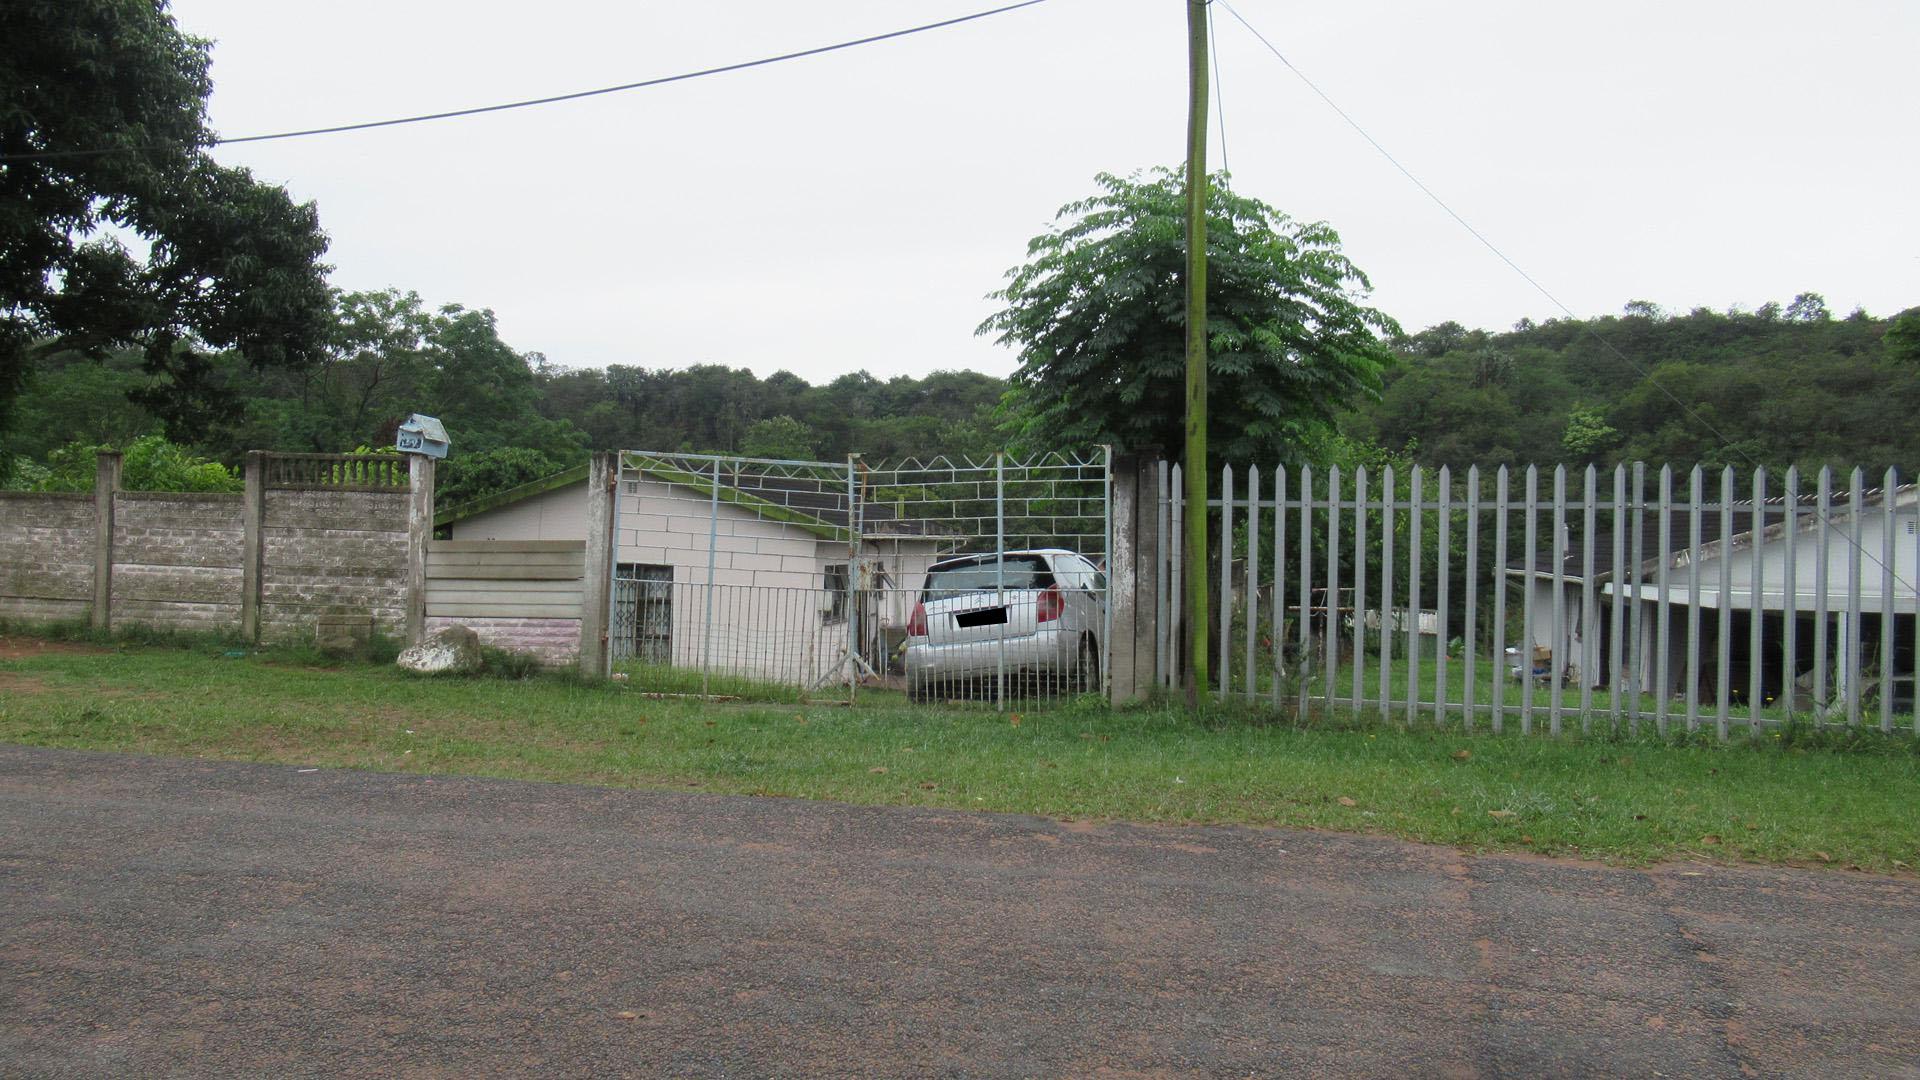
x=917, y=622
x=1052, y=603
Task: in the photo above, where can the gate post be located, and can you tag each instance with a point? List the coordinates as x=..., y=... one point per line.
x=106, y=483
x=596, y=655
x=1132, y=577
x=252, y=518
x=419, y=535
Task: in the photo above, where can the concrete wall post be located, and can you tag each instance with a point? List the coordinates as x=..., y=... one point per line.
x=596, y=657
x=1132, y=579
x=419, y=535
x=252, y=558
x=106, y=482
x=1123, y=579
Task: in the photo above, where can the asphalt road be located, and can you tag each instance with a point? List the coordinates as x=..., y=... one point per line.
x=165, y=917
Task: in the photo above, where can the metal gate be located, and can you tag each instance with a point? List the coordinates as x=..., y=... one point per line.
x=941, y=579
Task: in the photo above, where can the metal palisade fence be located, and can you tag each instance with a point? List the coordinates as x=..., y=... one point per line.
x=940, y=579
x=1627, y=597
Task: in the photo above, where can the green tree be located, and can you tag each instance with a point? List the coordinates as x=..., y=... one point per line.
x=149, y=463
x=104, y=136
x=1097, y=316
x=465, y=477
x=1902, y=339
x=1588, y=434
x=1808, y=307
x=779, y=437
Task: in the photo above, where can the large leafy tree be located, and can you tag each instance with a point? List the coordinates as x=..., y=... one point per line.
x=391, y=355
x=116, y=227
x=1097, y=315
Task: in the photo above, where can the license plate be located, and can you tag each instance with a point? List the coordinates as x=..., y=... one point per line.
x=985, y=617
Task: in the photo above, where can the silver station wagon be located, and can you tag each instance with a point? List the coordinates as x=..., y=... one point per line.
x=1036, y=615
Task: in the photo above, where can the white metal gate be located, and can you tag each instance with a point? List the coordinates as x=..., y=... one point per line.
x=784, y=578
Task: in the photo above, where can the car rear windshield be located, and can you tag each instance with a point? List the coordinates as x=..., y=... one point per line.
x=983, y=575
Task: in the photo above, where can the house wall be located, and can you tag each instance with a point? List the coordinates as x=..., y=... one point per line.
x=1840, y=553
x=46, y=556
x=523, y=595
x=773, y=617
x=1575, y=641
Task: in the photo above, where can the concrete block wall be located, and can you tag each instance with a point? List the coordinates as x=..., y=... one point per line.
x=176, y=560
x=182, y=560
x=330, y=552
x=46, y=556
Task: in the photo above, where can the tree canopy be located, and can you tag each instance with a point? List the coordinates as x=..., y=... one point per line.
x=117, y=230
x=1097, y=314
x=1777, y=386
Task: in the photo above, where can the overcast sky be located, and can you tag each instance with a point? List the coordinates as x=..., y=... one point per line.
x=853, y=210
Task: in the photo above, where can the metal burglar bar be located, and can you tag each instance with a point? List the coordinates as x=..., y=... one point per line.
x=1620, y=608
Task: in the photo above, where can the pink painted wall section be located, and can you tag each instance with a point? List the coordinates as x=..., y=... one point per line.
x=555, y=641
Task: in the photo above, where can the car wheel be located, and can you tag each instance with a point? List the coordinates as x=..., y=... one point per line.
x=1086, y=671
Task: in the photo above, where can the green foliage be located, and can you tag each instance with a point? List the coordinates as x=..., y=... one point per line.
x=228, y=263
x=149, y=463
x=463, y=478
x=1902, y=339
x=1098, y=315
x=1588, y=435
x=73, y=398
x=779, y=437
x=390, y=355
x=713, y=409
x=1778, y=387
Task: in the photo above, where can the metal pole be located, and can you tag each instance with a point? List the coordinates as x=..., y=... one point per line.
x=1226, y=581
x=1386, y=593
x=1470, y=652
x=853, y=576
x=713, y=547
x=1000, y=574
x=1106, y=557
x=1497, y=697
x=1164, y=603
x=1196, y=341
x=1331, y=660
x=1253, y=579
x=613, y=566
x=1279, y=579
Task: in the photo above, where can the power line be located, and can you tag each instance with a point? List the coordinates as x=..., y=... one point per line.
x=531, y=102
x=1585, y=328
x=1219, y=95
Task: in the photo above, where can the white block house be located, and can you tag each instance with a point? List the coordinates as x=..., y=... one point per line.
x=755, y=582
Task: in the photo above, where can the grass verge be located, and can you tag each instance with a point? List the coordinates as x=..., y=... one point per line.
x=1794, y=797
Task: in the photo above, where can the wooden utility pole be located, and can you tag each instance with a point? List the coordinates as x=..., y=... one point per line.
x=1195, y=466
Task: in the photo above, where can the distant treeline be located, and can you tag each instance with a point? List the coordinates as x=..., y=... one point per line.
x=1777, y=386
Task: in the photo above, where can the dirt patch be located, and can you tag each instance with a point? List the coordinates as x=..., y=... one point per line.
x=21, y=684
x=25, y=648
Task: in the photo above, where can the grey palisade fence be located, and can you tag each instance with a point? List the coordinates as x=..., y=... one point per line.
x=1626, y=597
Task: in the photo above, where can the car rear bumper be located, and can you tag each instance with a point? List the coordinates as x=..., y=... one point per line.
x=1047, y=650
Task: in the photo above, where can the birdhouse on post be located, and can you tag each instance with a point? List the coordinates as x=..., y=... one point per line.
x=421, y=435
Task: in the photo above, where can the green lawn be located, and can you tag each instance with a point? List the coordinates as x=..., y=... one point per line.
x=1847, y=802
